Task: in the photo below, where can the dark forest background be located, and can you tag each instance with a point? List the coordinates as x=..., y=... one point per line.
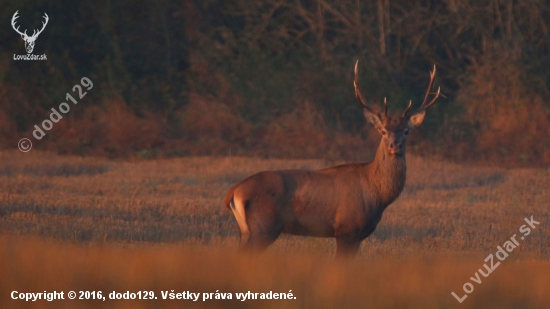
x=274, y=77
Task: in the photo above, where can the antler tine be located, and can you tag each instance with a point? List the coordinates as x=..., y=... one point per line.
x=385, y=108
x=16, y=16
x=434, y=99
x=358, y=93
x=44, y=23
x=430, y=86
x=425, y=106
x=47, y=18
x=408, y=107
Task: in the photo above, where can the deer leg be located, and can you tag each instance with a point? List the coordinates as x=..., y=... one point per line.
x=260, y=237
x=263, y=229
x=245, y=237
x=346, y=247
x=258, y=242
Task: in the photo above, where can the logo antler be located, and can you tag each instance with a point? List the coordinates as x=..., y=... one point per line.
x=29, y=40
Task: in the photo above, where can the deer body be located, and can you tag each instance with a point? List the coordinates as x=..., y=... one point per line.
x=345, y=202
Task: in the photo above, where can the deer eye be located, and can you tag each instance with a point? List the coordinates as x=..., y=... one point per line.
x=383, y=132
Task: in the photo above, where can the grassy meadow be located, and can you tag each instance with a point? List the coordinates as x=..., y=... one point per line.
x=90, y=224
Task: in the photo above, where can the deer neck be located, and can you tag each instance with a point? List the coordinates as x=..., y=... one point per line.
x=387, y=174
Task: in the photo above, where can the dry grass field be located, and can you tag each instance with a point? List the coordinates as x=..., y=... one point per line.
x=90, y=224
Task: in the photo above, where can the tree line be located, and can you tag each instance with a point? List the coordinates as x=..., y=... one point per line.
x=258, y=61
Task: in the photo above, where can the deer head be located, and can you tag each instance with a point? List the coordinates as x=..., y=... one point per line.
x=395, y=130
x=29, y=40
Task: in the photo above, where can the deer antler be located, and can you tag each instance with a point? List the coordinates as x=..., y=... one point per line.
x=408, y=107
x=44, y=23
x=359, y=95
x=15, y=16
x=425, y=106
x=430, y=86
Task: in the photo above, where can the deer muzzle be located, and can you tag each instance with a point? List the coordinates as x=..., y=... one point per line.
x=396, y=148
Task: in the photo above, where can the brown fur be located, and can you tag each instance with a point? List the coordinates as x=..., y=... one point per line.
x=345, y=202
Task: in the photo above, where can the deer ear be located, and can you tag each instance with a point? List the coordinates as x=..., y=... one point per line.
x=373, y=119
x=416, y=119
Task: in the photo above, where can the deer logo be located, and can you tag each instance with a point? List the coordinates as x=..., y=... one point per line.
x=29, y=40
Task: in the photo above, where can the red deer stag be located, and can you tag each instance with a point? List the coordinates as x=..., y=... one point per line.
x=345, y=202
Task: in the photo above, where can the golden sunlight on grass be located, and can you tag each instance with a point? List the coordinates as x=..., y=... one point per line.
x=31, y=265
x=89, y=224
